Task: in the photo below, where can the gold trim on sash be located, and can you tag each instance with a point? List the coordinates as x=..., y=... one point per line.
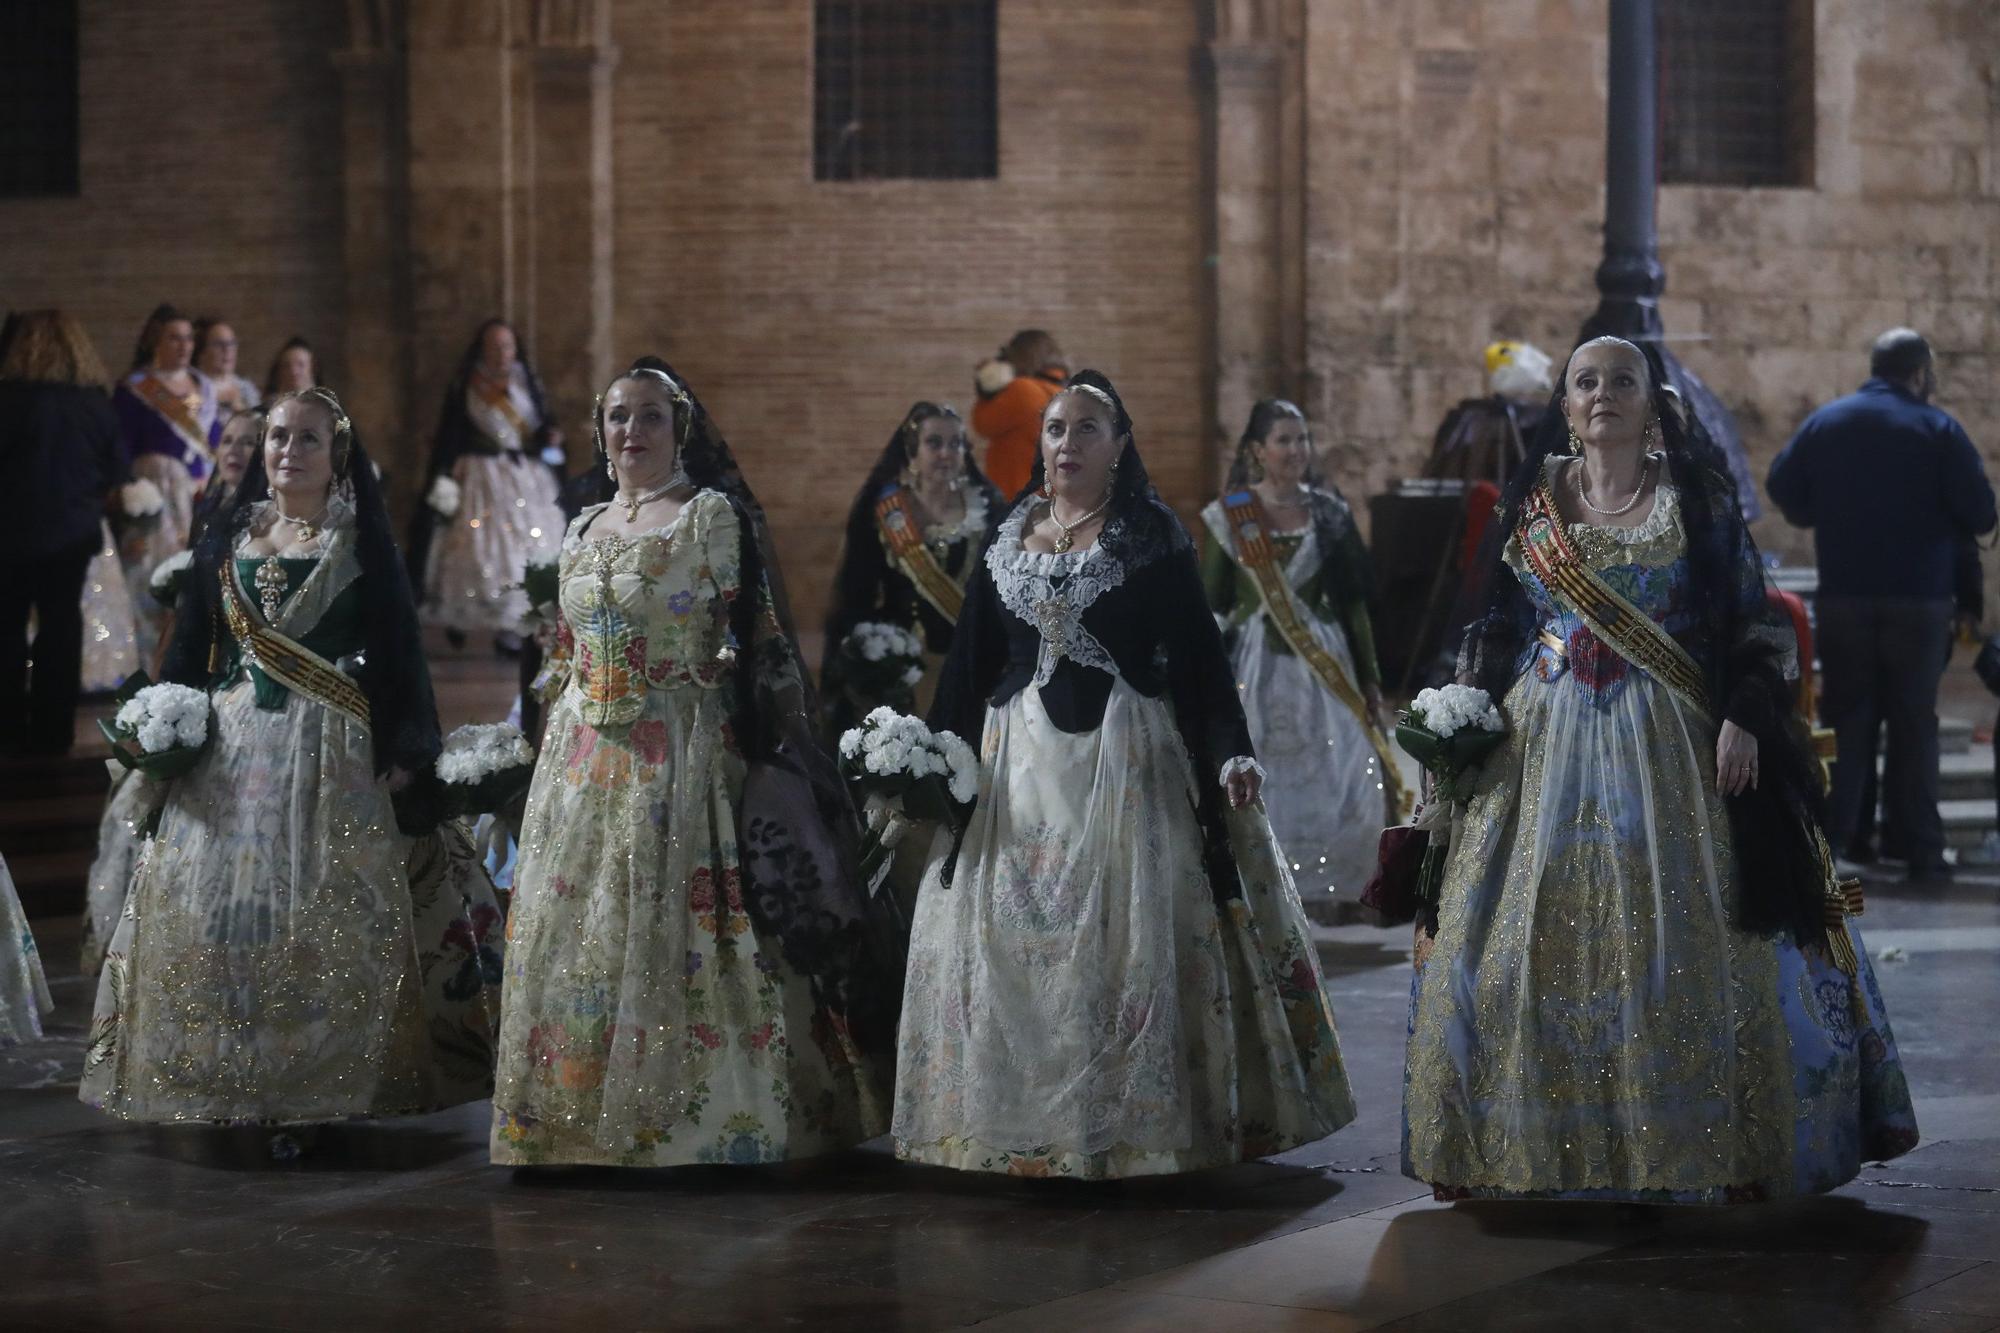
x=173, y=409
x=287, y=661
x=1633, y=634
x=1640, y=640
x=1256, y=554
x=903, y=539
x=500, y=398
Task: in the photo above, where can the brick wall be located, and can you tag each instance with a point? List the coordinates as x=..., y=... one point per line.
x=808, y=315
x=1456, y=163
x=211, y=178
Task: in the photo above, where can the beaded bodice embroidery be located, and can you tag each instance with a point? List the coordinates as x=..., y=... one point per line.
x=647, y=611
x=1051, y=592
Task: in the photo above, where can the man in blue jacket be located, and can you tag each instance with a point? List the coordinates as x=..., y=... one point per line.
x=1892, y=488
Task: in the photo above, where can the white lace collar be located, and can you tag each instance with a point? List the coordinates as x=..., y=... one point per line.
x=969, y=526
x=1051, y=592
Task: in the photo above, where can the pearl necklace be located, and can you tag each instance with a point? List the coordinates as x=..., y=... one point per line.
x=1645, y=470
x=1068, y=538
x=632, y=502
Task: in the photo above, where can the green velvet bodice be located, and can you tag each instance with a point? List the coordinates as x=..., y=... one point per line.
x=338, y=633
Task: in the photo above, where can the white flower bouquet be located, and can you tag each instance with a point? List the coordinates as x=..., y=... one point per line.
x=485, y=768
x=159, y=730
x=443, y=496
x=169, y=575
x=991, y=376
x=917, y=773
x=141, y=502
x=1450, y=731
x=882, y=663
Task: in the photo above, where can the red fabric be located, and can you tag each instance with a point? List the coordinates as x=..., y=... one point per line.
x=1792, y=605
x=1480, y=498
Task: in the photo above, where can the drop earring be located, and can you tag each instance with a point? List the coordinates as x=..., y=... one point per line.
x=1575, y=444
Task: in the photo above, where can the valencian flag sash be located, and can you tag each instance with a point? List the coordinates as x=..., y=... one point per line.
x=174, y=410
x=903, y=539
x=1635, y=636
x=285, y=660
x=500, y=398
x=1251, y=532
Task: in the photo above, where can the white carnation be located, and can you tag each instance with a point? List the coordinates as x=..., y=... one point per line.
x=1448, y=709
x=141, y=499
x=170, y=568
x=476, y=752
x=165, y=717
x=444, y=496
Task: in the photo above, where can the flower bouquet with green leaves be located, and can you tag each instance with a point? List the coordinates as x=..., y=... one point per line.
x=905, y=773
x=1450, y=731
x=484, y=769
x=159, y=730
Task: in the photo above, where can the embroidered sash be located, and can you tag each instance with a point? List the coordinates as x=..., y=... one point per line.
x=286, y=660
x=1640, y=640
x=1631, y=633
x=903, y=539
x=500, y=397
x=173, y=410
x=1257, y=555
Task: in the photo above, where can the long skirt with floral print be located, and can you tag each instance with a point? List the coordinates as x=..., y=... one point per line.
x=507, y=516
x=645, y=1021
x=1589, y=1024
x=149, y=541
x=1077, y=1003
x=284, y=954
x=110, y=638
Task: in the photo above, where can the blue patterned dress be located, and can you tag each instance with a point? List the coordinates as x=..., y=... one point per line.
x=1589, y=1023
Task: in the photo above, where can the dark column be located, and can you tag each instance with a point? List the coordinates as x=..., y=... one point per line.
x=1630, y=279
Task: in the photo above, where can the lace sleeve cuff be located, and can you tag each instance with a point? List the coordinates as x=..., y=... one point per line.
x=1241, y=764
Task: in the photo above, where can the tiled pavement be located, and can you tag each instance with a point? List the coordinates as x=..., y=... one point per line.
x=405, y=1226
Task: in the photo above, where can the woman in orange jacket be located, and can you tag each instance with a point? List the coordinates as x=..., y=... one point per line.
x=1013, y=390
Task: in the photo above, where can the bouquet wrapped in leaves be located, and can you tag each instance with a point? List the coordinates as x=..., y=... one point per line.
x=541, y=581
x=159, y=730
x=485, y=769
x=882, y=663
x=898, y=765
x=1450, y=731
x=169, y=575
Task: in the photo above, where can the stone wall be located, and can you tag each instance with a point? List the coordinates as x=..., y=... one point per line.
x=1456, y=163
x=809, y=315
x=211, y=178
x=1343, y=200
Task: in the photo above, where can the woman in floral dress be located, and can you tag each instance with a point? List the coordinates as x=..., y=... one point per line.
x=915, y=533
x=303, y=941
x=689, y=975
x=1111, y=974
x=1642, y=984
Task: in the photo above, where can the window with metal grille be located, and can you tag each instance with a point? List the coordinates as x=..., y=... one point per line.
x=39, y=113
x=1736, y=92
x=905, y=89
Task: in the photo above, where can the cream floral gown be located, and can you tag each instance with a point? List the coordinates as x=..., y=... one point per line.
x=645, y=1020
x=285, y=954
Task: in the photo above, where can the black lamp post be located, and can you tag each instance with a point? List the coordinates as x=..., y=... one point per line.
x=1630, y=277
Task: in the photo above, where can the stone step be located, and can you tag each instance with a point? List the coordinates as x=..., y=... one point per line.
x=1966, y=822
x=1955, y=735
x=1967, y=775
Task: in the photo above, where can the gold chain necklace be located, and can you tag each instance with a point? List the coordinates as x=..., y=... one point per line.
x=307, y=528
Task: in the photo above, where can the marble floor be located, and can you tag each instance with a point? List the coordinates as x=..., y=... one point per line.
x=405, y=1226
